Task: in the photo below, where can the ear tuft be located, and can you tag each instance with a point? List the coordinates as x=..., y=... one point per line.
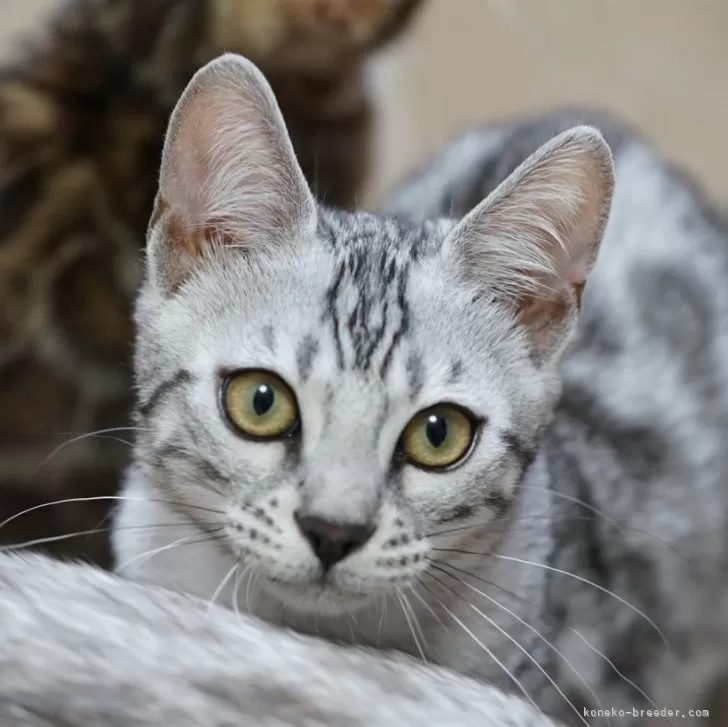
x=228, y=173
x=534, y=240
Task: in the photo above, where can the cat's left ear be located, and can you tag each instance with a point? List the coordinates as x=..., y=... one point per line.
x=229, y=175
x=531, y=244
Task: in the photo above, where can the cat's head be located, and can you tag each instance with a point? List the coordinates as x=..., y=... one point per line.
x=342, y=385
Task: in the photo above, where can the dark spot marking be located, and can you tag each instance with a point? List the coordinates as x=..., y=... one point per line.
x=253, y=533
x=181, y=378
x=273, y=502
x=522, y=452
x=305, y=355
x=460, y=512
x=456, y=372
x=497, y=502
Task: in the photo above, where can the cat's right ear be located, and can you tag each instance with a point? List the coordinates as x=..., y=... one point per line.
x=228, y=176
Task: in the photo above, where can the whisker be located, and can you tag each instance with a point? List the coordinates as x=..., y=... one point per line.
x=99, y=498
x=611, y=519
x=236, y=587
x=493, y=525
x=516, y=643
x=488, y=651
x=403, y=605
x=614, y=668
x=86, y=435
x=193, y=539
x=94, y=531
x=576, y=577
x=440, y=566
x=48, y=540
x=511, y=594
x=382, y=618
x=429, y=608
x=250, y=588
x=221, y=587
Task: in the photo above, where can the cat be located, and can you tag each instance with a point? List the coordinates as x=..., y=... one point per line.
x=80, y=647
x=83, y=109
x=363, y=426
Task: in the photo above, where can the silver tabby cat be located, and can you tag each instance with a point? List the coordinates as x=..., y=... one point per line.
x=354, y=425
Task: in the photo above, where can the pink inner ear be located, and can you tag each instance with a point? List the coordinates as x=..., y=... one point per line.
x=228, y=166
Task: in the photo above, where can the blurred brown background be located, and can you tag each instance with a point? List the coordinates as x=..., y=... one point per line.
x=662, y=64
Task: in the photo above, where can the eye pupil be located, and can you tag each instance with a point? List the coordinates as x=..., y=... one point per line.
x=436, y=430
x=263, y=400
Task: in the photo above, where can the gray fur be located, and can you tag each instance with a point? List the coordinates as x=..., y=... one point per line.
x=80, y=647
x=637, y=433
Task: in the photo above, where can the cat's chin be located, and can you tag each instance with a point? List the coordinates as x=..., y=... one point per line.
x=316, y=598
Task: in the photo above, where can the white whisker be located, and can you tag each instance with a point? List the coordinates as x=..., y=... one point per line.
x=576, y=577
x=531, y=628
x=614, y=668
x=48, y=540
x=405, y=611
x=239, y=575
x=99, y=498
x=519, y=646
x=222, y=585
x=149, y=554
x=427, y=606
x=382, y=619
x=81, y=437
x=489, y=653
x=609, y=518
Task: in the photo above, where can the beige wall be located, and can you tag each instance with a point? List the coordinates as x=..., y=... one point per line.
x=662, y=64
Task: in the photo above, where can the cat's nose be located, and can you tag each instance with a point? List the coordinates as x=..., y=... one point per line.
x=332, y=541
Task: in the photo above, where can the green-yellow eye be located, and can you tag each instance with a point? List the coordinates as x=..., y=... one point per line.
x=259, y=404
x=438, y=437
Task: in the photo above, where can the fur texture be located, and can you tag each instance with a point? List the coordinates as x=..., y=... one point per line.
x=553, y=559
x=80, y=647
x=83, y=109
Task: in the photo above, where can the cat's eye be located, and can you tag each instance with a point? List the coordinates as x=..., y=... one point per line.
x=438, y=437
x=259, y=404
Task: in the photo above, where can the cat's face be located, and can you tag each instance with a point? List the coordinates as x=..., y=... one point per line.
x=342, y=386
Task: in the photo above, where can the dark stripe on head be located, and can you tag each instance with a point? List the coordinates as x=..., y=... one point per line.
x=415, y=375
x=181, y=378
x=202, y=465
x=403, y=323
x=332, y=313
x=307, y=350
